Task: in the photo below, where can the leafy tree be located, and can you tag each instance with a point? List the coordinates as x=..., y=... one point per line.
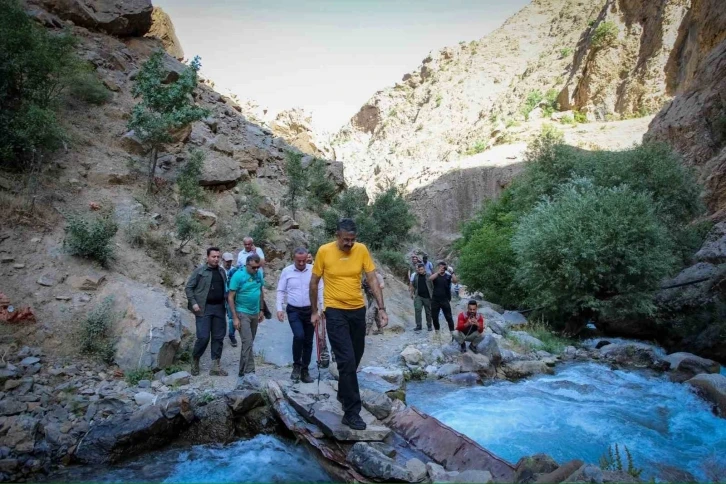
x=91, y=236
x=605, y=35
x=163, y=107
x=296, y=181
x=321, y=190
x=188, y=179
x=35, y=68
x=188, y=228
x=593, y=251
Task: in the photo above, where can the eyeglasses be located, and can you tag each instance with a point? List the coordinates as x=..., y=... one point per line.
x=254, y=268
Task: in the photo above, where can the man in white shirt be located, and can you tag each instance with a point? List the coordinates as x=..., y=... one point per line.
x=294, y=288
x=249, y=249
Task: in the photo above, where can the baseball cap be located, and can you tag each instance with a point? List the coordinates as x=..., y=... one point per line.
x=227, y=256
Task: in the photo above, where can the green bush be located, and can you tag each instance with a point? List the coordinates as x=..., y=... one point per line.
x=133, y=377
x=565, y=52
x=36, y=67
x=567, y=119
x=534, y=98
x=97, y=332
x=296, y=181
x=605, y=35
x=320, y=189
x=189, y=228
x=91, y=236
x=188, y=180
x=580, y=117
x=593, y=250
x=395, y=260
x=87, y=87
x=532, y=101
x=476, y=148
x=261, y=231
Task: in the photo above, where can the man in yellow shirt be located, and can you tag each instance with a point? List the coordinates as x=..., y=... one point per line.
x=340, y=265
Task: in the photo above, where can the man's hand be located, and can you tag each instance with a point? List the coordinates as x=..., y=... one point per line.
x=315, y=319
x=281, y=316
x=236, y=323
x=383, y=317
x=261, y=317
x=196, y=309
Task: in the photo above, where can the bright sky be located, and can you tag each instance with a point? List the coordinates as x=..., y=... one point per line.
x=326, y=56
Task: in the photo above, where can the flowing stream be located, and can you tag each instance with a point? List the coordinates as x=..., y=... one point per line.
x=261, y=459
x=579, y=412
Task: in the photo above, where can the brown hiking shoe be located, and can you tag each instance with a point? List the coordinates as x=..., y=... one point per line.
x=217, y=369
x=195, y=366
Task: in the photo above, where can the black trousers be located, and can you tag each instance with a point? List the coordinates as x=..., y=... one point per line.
x=303, y=333
x=347, y=334
x=445, y=306
x=214, y=323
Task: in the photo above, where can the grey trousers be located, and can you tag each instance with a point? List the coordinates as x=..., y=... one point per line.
x=474, y=337
x=425, y=304
x=247, y=331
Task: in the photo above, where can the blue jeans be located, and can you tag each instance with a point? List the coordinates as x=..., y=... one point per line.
x=303, y=333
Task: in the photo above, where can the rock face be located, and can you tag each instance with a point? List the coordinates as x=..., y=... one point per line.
x=127, y=18
x=686, y=365
x=295, y=127
x=162, y=28
x=693, y=122
x=151, y=329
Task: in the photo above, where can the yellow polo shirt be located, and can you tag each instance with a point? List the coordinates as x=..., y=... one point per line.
x=341, y=273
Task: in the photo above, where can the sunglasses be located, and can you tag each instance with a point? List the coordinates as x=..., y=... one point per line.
x=254, y=268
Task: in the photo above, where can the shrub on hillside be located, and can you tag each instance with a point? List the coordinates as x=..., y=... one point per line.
x=189, y=229
x=87, y=87
x=320, y=189
x=90, y=236
x=605, y=35
x=296, y=181
x=97, y=332
x=188, y=180
x=593, y=250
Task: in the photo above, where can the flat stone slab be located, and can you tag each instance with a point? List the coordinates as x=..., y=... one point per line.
x=327, y=413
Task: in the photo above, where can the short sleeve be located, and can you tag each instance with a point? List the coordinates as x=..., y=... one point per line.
x=260, y=253
x=234, y=283
x=413, y=274
x=368, y=264
x=319, y=264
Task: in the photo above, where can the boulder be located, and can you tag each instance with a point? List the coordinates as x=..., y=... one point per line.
x=377, y=403
x=334, y=171
x=132, y=18
x=205, y=217
x=528, y=468
x=476, y=363
x=489, y=347
x=372, y=463
x=162, y=28
x=213, y=423
x=412, y=355
x=687, y=365
x=177, y=379
x=48, y=279
x=151, y=326
x=267, y=207
x=638, y=355
x=218, y=169
x=242, y=401
x=144, y=398
x=287, y=223
x=559, y=474
x=514, y=370
x=526, y=339
x=221, y=143
x=713, y=387
x=20, y=433
x=416, y=469
x=448, y=369
x=148, y=428
x=513, y=318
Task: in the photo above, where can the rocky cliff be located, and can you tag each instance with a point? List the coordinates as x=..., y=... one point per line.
x=594, y=60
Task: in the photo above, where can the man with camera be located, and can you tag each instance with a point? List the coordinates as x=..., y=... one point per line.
x=469, y=327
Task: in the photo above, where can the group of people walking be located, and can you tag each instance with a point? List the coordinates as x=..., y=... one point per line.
x=324, y=293
x=339, y=290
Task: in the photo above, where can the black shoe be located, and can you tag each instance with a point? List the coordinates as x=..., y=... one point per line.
x=354, y=421
x=233, y=341
x=430, y=329
x=295, y=375
x=417, y=329
x=472, y=348
x=305, y=376
x=463, y=347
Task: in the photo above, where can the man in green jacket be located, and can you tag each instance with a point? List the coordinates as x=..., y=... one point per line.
x=421, y=291
x=205, y=291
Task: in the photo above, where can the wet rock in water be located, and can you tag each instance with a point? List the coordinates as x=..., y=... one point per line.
x=638, y=355
x=448, y=369
x=522, y=369
x=713, y=387
x=372, y=463
x=468, y=378
x=242, y=401
x=489, y=347
x=561, y=473
x=527, y=468
x=687, y=365
x=601, y=343
x=569, y=353
x=213, y=422
x=416, y=469
x=412, y=355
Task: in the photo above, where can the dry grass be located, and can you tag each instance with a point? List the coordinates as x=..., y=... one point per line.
x=19, y=210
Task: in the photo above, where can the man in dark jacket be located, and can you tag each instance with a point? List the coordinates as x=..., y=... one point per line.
x=421, y=291
x=205, y=291
x=440, y=301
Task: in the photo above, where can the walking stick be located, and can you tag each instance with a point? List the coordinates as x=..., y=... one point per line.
x=319, y=345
